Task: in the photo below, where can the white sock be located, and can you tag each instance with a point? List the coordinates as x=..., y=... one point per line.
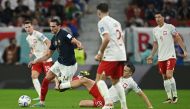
x=167, y=86
x=65, y=85
x=37, y=86
x=104, y=91
x=173, y=87
x=121, y=93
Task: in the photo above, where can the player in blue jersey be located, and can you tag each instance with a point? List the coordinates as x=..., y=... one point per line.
x=66, y=66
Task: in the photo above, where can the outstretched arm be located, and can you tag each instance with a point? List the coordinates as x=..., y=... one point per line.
x=146, y=100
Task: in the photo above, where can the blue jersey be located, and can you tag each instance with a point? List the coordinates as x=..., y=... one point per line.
x=62, y=43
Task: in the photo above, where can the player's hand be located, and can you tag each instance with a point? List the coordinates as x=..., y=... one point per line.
x=98, y=57
x=149, y=59
x=79, y=45
x=185, y=54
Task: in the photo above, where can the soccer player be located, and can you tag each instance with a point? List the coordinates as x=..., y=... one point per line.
x=39, y=44
x=164, y=36
x=111, y=55
x=127, y=82
x=66, y=65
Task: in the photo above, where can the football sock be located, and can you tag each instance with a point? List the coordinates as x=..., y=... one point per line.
x=104, y=91
x=122, y=97
x=37, y=86
x=167, y=86
x=65, y=85
x=44, y=89
x=173, y=87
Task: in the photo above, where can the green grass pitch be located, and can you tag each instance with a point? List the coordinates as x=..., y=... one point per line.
x=71, y=98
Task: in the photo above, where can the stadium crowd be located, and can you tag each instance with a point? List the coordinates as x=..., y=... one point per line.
x=14, y=12
x=140, y=13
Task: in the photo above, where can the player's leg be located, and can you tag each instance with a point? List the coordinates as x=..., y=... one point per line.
x=46, y=67
x=52, y=73
x=162, y=65
x=48, y=78
x=36, y=70
x=103, y=70
x=169, y=75
x=117, y=85
x=66, y=75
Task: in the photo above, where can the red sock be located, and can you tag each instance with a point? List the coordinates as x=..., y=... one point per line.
x=44, y=89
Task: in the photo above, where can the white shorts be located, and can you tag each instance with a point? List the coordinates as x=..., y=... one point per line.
x=64, y=73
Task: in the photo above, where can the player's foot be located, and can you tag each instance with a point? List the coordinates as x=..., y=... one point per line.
x=38, y=105
x=36, y=99
x=168, y=101
x=84, y=73
x=175, y=99
x=108, y=106
x=61, y=90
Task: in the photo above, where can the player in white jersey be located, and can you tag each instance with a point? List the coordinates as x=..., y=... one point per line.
x=111, y=55
x=129, y=84
x=98, y=101
x=39, y=45
x=164, y=36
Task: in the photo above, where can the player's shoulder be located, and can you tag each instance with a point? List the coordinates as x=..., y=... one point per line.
x=169, y=25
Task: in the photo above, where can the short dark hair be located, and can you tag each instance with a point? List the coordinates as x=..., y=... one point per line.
x=131, y=66
x=160, y=12
x=103, y=7
x=56, y=21
x=27, y=22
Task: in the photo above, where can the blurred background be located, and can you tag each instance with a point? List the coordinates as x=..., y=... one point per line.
x=79, y=17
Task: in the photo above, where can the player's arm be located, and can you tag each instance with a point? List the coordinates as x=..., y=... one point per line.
x=76, y=42
x=105, y=41
x=145, y=99
x=179, y=40
x=154, y=50
x=44, y=58
x=47, y=42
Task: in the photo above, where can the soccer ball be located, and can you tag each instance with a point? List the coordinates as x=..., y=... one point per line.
x=24, y=101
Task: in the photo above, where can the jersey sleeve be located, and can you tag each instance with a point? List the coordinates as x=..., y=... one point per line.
x=173, y=30
x=135, y=87
x=102, y=28
x=41, y=36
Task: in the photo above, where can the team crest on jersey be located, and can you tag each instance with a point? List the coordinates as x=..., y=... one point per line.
x=164, y=32
x=102, y=29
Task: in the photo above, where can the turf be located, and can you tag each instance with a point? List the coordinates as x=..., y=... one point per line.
x=71, y=98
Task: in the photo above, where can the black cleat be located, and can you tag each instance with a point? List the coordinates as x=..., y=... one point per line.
x=175, y=99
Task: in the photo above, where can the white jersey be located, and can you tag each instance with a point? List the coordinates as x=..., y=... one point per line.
x=164, y=37
x=36, y=42
x=115, y=50
x=128, y=84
